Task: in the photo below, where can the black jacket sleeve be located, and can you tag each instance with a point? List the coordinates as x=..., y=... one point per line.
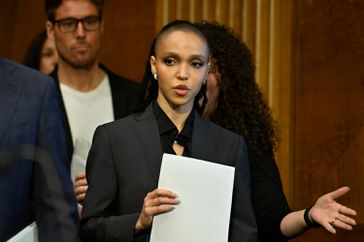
x=269, y=201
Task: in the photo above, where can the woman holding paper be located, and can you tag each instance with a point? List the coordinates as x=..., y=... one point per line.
x=125, y=157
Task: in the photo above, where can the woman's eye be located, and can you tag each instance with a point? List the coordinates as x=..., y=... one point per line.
x=169, y=61
x=197, y=64
x=46, y=54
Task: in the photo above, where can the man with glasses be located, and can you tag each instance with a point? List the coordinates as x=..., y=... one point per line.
x=92, y=95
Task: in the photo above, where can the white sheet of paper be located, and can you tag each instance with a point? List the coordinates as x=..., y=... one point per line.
x=205, y=190
x=28, y=234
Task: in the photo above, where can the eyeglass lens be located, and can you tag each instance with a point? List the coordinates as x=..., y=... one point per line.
x=67, y=25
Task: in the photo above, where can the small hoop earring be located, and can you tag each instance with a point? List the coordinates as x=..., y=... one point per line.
x=155, y=76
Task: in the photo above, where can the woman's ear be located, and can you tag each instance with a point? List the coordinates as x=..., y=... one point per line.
x=153, y=64
x=208, y=71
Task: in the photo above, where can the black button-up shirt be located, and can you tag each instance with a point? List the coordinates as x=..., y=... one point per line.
x=169, y=132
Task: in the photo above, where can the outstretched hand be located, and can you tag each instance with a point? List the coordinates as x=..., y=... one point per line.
x=156, y=202
x=330, y=214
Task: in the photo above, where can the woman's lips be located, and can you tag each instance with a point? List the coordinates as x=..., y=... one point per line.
x=181, y=90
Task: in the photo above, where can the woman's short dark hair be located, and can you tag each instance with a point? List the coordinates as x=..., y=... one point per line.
x=33, y=55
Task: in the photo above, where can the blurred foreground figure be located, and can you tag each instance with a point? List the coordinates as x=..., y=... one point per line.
x=35, y=182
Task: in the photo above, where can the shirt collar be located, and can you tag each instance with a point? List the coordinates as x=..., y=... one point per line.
x=166, y=125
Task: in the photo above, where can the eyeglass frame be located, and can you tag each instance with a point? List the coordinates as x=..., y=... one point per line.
x=78, y=20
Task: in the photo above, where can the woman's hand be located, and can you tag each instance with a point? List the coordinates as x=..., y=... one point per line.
x=156, y=202
x=330, y=214
x=80, y=187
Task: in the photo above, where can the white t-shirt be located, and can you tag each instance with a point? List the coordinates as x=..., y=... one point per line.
x=86, y=111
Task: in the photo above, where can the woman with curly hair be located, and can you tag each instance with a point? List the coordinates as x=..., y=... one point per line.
x=235, y=102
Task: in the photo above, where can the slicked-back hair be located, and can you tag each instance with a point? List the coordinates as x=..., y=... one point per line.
x=150, y=85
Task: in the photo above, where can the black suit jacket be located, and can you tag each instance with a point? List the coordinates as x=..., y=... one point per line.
x=124, y=93
x=124, y=164
x=35, y=182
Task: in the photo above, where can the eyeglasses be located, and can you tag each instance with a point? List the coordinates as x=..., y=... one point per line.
x=68, y=25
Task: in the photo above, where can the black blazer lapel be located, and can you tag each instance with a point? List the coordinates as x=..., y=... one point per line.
x=10, y=87
x=201, y=138
x=147, y=130
x=54, y=75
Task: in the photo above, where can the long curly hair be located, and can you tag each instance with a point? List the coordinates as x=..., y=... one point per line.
x=240, y=105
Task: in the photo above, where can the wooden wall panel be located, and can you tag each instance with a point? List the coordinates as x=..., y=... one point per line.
x=279, y=88
x=249, y=26
x=6, y=33
x=20, y=22
x=209, y=10
x=330, y=107
x=235, y=14
x=262, y=48
x=129, y=29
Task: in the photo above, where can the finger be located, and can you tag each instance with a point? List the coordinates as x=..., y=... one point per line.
x=80, y=190
x=158, y=201
x=346, y=210
x=81, y=182
x=339, y=192
x=80, y=197
x=156, y=210
x=80, y=175
x=346, y=219
x=161, y=193
x=329, y=227
x=341, y=225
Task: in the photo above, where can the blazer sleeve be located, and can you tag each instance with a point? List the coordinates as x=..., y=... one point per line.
x=243, y=225
x=55, y=202
x=100, y=219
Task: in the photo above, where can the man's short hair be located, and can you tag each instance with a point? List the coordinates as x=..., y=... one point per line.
x=52, y=5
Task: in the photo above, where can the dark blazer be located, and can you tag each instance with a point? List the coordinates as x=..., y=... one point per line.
x=124, y=164
x=124, y=93
x=35, y=182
